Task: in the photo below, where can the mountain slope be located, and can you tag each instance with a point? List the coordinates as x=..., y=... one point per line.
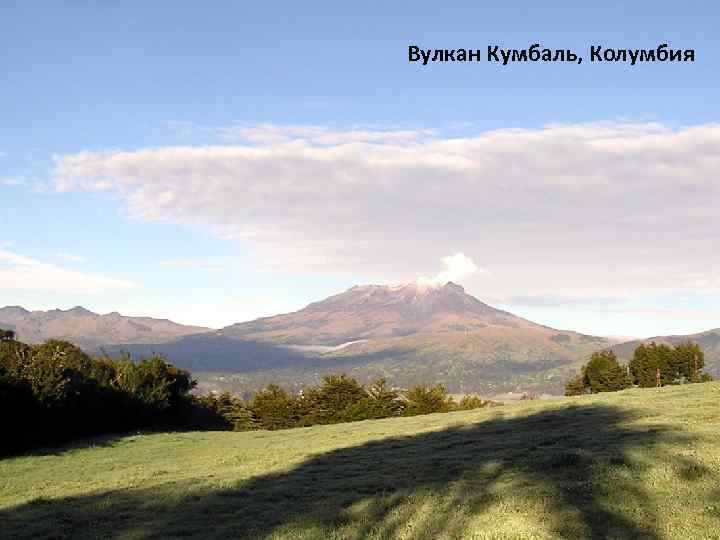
x=410, y=334
x=90, y=330
x=380, y=312
x=709, y=342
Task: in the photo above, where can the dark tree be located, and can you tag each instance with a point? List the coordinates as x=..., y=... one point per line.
x=647, y=360
x=575, y=386
x=274, y=408
x=422, y=399
x=681, y=364
x=689, y=362
x=603, y=373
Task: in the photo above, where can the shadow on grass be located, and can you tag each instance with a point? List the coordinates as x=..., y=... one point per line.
x=58, y=449
x=62, y=447
x=574, y=473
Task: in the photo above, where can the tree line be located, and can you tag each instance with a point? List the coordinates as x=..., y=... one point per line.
x=652, y=365
x=337, y=399
x=53, y=392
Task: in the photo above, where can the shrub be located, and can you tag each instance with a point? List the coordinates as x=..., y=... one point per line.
x=603, y=373
x=222, y=412
x=274, y=408
x=382, y=401
x=688, y=360
x=576, y=386
x=422, y=399
x=339, y=399
x=648, y=359
x=153, y=382
x=677, y=365
x=471, y=402
x=57, y=392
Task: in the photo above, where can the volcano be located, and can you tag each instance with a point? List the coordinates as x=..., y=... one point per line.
x=412, y=333
x=381, y=312
x=420, y=333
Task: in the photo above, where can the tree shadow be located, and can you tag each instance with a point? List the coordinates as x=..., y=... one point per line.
x=57, y=449
x=573, y=472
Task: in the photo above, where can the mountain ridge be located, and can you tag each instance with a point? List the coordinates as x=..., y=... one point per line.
x=708, y=340
x=379, y=311
x=407, y=333
x=89, y=329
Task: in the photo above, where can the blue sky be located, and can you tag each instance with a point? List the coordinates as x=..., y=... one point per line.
x=318, y=87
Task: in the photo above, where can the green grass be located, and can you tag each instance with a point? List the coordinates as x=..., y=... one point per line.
x=634, y=464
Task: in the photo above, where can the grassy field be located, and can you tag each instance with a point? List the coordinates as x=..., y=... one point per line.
x=634, y=464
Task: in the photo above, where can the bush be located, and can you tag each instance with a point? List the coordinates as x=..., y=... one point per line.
x=422, y=399
x=648, y=360
x=338, y=399
x=603, y=373
x=677, y=365
x=220, y=412
x=576, y=386
x=57, y=392
x=274, y=408
x=674, y=365
x=153, y=382
x=471, y=402
x=382, y=401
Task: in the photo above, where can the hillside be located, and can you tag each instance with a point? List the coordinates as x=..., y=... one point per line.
x=709, y=342
x=409, y=334
x=90, y=330
x=633, y=464
x=381, y=312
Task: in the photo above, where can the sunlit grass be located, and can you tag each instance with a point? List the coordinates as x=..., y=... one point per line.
x=639, y=463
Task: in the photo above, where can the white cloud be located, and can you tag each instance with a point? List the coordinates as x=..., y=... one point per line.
x=19, y=272
x=199, y=264
x=319, y=135
x=70, y=257
x=565, y=211
x=455, y=268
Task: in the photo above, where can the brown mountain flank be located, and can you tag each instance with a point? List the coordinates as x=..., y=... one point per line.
x=420, y=333
x=384, y=312
x=411, y=333
x=88, y=329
